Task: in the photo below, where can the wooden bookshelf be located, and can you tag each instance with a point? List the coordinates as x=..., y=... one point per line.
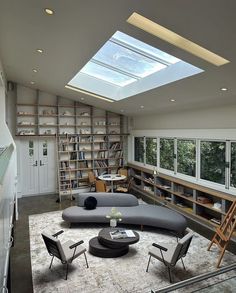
x=181, y=195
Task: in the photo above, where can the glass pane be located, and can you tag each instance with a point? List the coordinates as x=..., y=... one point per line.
x=144, y=47
x=213, y=161
x=127, y=60
x=31, y=144
x=45, y=152
x=139, y=149
x=186, y=157
x=151, y=151
x=167, y=153
x=233, y=165
x=106, y=74
x=31, y=152
x=45, y=144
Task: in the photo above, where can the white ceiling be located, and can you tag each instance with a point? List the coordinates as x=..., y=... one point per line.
x=79, y=28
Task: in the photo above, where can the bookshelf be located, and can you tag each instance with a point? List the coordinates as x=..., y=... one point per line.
x=87, y=138
x=204, y=205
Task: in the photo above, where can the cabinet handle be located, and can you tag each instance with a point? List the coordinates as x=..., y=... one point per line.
x=36, y=164
x=41, y=163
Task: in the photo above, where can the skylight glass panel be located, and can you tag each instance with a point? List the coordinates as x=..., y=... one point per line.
x=106, y=74
x=142, y=47
x=126, y=60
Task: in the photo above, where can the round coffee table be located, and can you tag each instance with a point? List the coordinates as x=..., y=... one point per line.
x=105, y=246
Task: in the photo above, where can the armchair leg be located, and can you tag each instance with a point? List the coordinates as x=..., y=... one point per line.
x=169, y=273
x=86, y=260
x=51, y=262
x=148, y=263
x=67, y=267
x=183, y=263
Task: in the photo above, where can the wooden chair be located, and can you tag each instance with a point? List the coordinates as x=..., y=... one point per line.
x=101, y=186
x=123, y=171
x=92, y=180
x=125, y=188
x=65, y=252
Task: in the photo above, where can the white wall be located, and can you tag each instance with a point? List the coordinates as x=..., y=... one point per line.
x=213, y=118
x=7, y=188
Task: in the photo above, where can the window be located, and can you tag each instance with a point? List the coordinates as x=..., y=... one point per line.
x=213, y=161
x=151, y=151
x=186, y=157
x=139, y=149
x=233, y=165
x=167, y=153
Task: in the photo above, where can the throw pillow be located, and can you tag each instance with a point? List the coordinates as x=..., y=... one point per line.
x=90, y=203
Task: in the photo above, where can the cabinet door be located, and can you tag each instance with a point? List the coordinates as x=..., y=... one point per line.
x=47, y=166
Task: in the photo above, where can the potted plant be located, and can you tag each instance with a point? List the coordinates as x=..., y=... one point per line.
x=114, y=216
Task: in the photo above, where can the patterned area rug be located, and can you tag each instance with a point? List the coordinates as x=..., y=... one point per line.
x=114, y=275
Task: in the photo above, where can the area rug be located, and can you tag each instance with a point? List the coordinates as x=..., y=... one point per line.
x=124, y=274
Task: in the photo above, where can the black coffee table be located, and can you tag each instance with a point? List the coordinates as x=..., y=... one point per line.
x=104, y=246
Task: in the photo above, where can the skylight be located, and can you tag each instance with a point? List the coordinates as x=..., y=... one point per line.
x=125, y=66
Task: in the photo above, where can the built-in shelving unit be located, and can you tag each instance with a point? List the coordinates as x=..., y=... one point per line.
x=88, y=138
x=199, y=203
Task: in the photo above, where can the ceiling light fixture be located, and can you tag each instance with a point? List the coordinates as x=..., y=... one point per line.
x=224, y=89
x=81, y=99
x=35, y=70
x=172, y=100
x=49, y=11
x=88, y=93
x=175, y=39
x=40, y=51
x=32, y=82
x=142, y=107
x=122, y=110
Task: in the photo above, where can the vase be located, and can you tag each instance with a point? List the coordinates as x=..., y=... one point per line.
x=113, y=222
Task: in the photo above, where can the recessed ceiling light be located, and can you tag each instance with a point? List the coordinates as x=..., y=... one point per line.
x=40, y=51
x=35, y=70
x=223, y=89
x=81, y=99
x=49, y=11
x=175, y=39
x=122, y=110
x=141, y=107
x=87, y=93
x=32, y=82
x=172, y=100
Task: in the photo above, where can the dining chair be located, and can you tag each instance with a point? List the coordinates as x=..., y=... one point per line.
x=92, y=180
x=101, y=186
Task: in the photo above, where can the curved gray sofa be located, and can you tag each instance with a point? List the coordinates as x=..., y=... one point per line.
x=132, y=212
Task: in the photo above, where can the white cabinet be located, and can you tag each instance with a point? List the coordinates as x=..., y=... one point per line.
x=36, y=166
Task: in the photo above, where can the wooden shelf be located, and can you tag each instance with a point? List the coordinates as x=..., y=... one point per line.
x=185, y=202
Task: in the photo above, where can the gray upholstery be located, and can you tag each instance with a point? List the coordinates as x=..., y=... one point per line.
x=64, y=252
x=170, y=254
x=105, y=199
x=144, y=214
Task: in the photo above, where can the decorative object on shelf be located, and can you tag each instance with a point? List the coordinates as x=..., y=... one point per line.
x=84, y=114
x=203, y=199
x=66, y=113
x=217, y=206
x=114, y=216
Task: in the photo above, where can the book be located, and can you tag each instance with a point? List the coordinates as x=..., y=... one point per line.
x=121, y=234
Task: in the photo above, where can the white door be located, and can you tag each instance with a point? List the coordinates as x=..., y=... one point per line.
x=37, y=166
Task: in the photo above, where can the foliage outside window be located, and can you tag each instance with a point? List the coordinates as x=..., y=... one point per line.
x=186, y=157
x=151, y=151
x=233, y=165
x=139, y=149
x=213, y=161
x=167, y=153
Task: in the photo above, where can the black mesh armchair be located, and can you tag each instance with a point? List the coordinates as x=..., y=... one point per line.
x=65, y=252
x=170, y=254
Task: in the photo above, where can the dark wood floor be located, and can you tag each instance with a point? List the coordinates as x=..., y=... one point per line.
x=20, y=265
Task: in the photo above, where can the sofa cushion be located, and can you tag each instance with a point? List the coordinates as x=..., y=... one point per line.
x=105, y=199
x=90, y=203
